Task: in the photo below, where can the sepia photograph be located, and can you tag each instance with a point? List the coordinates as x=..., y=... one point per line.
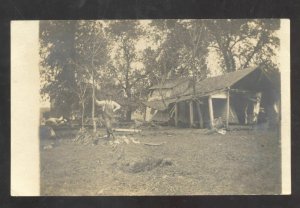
x=155, y=107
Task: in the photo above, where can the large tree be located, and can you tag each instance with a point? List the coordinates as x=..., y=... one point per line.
x=124, y=64
x=241, y=43
x=73, y=54
x=57, y=39
x=181, y=49
x=91, y=55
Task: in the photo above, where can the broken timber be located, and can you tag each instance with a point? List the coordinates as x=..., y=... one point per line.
x=128, y=130
x=154, y=144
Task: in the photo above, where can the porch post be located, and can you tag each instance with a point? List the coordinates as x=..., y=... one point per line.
x=176, y=114
x=191, y=113
x=199, y=115
x=227, y=109
x=211, y=111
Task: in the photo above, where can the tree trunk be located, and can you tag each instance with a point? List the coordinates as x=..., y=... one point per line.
x=82, y=116
x=145, y=113
x=93, y=104
x=228, y=61
x=194, y=84
x=176, y=114
x=129, y=109
x=128, y=114
x=256, y=48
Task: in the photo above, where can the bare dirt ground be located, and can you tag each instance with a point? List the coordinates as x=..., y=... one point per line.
x=190, y=162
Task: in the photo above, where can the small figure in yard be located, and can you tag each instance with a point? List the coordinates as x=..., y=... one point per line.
x=109, y=107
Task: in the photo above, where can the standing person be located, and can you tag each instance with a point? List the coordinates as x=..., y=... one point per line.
x=109, y=107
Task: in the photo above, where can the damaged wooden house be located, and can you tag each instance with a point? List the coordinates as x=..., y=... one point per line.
x=244, y=97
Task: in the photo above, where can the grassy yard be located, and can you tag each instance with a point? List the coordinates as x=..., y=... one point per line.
x=189, y=162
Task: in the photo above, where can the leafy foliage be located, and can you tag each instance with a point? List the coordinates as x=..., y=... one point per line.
x=129, y=77
x=242, y=43
x=57, y=50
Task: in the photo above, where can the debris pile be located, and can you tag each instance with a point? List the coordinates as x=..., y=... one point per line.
x=50, y=146
x=219, y=127
x=123, y=140
x=86, y=137
x=145, y=164
x=130, y=140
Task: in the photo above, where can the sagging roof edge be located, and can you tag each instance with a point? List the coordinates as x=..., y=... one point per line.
x=189, y=96
x=180, y=99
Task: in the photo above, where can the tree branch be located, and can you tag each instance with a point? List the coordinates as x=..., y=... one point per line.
x=256, y=48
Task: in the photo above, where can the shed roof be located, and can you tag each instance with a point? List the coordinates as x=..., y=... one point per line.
x=159, y=104
x=220, y=82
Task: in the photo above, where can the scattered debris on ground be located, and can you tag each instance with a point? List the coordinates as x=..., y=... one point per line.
x=130, y=140
x=123, y=140
x=86, y=137
x=215, y=130
x=219, y=127
x=50, y=146
x=221, y=131
x=243, y=162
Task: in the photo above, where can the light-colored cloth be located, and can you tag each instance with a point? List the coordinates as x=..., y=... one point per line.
x=108, y=109
x=252, y=108
x=55, y=121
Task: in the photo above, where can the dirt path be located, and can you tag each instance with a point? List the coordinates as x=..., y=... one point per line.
x=190, y=162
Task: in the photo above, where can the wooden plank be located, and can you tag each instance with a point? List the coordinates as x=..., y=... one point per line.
x=227, y=109
x=154, y=144
x=191, y=107
x=211, y=111
x=199, y=115
x=222, y=95
x=176, y=114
